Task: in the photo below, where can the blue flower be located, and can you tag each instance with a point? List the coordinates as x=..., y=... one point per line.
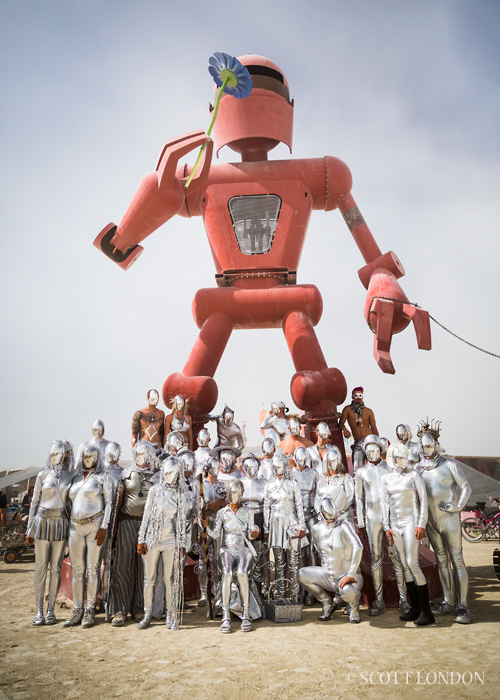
x=226, y=69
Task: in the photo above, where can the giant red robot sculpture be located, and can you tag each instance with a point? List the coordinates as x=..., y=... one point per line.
x=256, y=215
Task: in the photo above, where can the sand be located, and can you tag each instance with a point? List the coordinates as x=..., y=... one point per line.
x=379, y=658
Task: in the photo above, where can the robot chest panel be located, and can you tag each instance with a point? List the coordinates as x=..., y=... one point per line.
x=257, y=225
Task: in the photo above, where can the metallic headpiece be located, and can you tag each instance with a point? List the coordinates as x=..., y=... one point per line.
x=433, y=428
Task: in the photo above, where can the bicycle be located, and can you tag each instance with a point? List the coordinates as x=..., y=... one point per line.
x=480, y=526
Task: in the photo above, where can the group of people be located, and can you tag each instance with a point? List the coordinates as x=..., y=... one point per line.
x=295, y=510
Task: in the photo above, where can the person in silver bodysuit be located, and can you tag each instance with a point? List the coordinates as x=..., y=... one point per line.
x=268, y=450
x=275, y=423
x=447, y=494
x=369, y=515
x=307, y=479
x=334, y=478
x=404, y=517
x=228, y=433
x=48, y=528
x=91, y=494
x=202, y=453
x=112, y=467
x=340, y=550
x=284, y=523
x=235, y=526
x=404, y=435
x=162, y=534
x=127, y=572
x=214, y=498
x=253, y=496
x=318, y=451
x=98, y=440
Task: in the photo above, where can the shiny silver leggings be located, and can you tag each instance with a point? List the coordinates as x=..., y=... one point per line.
x=408, y=548
x=85, y=556
x=47, y=553
x=318, y=582
x=242, y=560
x=447, y=545
x=376, y=539
x=150, y=573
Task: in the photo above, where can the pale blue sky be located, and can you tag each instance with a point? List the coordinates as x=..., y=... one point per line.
x=407, y=94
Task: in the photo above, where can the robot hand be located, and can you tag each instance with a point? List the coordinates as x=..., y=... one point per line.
x=160, y=196
x=387, y=312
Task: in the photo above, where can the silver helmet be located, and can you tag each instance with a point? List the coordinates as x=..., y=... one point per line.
x=98, y=429
x=268, y=447
x=323, y=430
x=251, y=465
x=234, y=491
x=174, y=442
x=301, y=457
x=397, y=456
x=203, y=437
x=112, y=453
x=372, y=448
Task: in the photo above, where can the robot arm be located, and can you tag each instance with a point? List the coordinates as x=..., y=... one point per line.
x=160, y=196
x=387, y=308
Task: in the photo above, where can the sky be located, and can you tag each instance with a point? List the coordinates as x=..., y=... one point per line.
x=407, y=94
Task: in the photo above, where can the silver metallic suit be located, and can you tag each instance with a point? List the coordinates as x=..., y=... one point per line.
x=404, y=516
x=283, y=520
x=253, y=496
x=235, y=527
x=333, y=479
x=202, y=453
x=163, y=532
x=275, y=427
x=213, y=491
x=324, y=433
x=368, y=480
x=91, y=494
x=266, y=468
x=447, y=493
x=404, y=435
x=307, y=479
x=340, y=551
x=127, y=572
x=48, y=526
x=228, y=433
x=98, y=440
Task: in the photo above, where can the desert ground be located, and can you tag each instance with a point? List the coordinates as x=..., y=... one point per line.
x=380, y=658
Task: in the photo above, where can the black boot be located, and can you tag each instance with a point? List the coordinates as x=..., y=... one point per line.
x=426, y=617
x=414, y=612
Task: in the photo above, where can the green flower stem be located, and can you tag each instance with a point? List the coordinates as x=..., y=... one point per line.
x=209, y=130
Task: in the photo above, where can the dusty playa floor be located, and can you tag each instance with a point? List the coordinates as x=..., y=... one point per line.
x=379, y=658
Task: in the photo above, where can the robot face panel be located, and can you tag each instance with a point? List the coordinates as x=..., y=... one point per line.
x=226, y=461
x=268, y=447
x=56, y=453
x=264, y=118
x=203, y=437
x=98, y=429
x=254, y=219
x=112, y=453
x=153, y=397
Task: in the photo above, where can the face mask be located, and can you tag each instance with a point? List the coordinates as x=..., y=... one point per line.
x=153, y=398
x=90, y=462
x=170, y=475
x=251, y=469
x=373, y=453
x=234, y=497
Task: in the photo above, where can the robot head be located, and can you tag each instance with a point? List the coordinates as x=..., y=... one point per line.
x=179, y=403
x=56, y=454
x=384, y=445
x=90, y=458
x=98, y=429
x=323, y=431
x=372, y=448
x=260, y=121
x=268, y=447
x=332, y=506
x=234, y=491
x=301, y=457
x=280, y=464
x=186, y=459
x=170, y=471
x=403, y=433
x=143, y=454
x=332, y=461
x=226, y=459
x=213, y=467
x=153, y=397
x=112, y=453
x=174, y=442
x=430, y=446
x=251, y=465
x=294, y=425
x=203, y=437
x=227, y=415
x=397, y=456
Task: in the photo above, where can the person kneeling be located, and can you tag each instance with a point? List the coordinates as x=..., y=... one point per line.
x=340, y=550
